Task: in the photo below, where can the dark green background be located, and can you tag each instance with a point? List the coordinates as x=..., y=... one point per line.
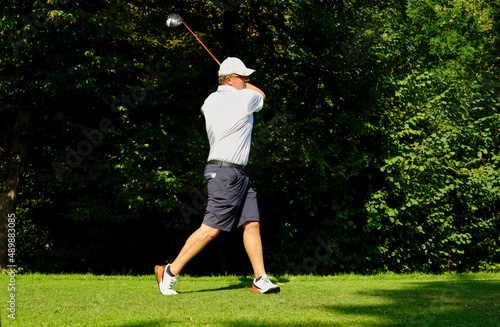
x=377, y=149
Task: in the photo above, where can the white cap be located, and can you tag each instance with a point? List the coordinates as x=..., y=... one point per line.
x=234, y=65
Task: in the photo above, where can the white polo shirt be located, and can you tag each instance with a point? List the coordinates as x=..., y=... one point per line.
x=229, y=121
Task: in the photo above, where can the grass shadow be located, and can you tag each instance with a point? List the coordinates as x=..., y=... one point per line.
x=447, y=303
x=232, y=323
x=147, y=323
x=243, y=323
x=244, y=282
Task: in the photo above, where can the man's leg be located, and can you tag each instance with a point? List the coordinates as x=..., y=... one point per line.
x=194, y=244
x=253, y=246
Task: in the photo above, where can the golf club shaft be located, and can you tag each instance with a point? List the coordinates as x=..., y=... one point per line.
x=202, y=43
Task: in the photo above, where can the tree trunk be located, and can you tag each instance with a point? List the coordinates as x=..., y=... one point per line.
x=16, y=159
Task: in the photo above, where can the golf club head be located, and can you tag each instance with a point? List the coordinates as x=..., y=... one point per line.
x=174, y=20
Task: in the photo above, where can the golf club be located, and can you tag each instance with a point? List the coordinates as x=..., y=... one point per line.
x=174, y=20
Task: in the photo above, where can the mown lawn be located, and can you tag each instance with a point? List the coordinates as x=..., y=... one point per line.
x=344, y=300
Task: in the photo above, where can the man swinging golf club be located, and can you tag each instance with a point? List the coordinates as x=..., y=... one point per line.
x=231, y=201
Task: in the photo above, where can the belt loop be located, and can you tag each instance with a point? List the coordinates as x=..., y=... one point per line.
x=220, y=164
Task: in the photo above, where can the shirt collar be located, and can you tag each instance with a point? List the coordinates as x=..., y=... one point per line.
x=226, y=88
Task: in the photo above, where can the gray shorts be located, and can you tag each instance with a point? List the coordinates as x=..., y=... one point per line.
x=231, y=200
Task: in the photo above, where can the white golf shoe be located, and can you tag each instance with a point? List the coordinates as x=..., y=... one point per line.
x=166, y=282
x=265, y=286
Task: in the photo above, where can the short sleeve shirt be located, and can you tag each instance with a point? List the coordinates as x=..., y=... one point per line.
x=229, y=121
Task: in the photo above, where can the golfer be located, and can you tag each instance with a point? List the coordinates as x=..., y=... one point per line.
x=231, y=201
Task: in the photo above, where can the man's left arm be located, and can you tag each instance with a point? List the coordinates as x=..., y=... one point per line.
x=255, y=88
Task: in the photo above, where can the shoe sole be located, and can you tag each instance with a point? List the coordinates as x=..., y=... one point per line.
x=271, y=291
x=159, y=274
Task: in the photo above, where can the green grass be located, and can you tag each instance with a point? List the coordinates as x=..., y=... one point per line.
x=344, y=300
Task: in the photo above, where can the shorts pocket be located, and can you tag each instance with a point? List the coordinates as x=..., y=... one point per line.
x=229, y=177
x=210, y=175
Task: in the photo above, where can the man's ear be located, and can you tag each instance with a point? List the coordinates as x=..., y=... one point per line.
x=228, y=81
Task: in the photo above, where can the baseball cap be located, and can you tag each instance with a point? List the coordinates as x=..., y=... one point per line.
x=233, y=65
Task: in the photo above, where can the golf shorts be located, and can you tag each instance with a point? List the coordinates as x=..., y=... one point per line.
x=231, y=200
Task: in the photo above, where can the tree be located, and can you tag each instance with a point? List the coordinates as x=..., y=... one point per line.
x=378, y=128
x=443, y=194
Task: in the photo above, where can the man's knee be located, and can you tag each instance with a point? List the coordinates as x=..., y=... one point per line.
x=252, y=227
x=210, y=232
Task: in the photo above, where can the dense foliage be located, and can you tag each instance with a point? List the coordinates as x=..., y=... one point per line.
x=377, y=149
